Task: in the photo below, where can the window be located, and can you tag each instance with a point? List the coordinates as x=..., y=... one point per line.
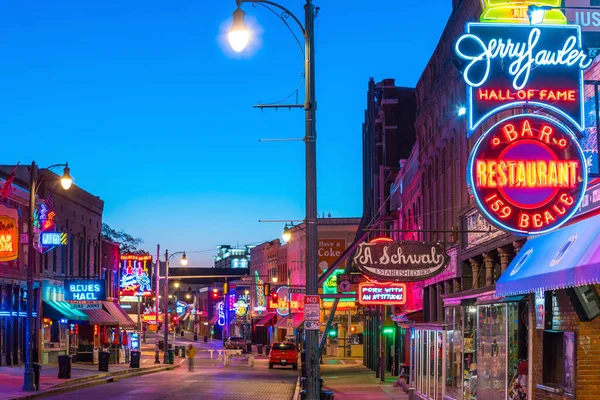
x=558, y=361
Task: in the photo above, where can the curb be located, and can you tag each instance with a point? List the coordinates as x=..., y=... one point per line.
x=95, y=382
x=297, y=391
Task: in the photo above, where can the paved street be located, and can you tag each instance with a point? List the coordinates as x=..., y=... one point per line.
x=209, y=381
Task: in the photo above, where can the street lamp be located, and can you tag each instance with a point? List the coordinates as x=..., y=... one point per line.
x=238, y=34
x=66, y=181
x=184, y=259
x=287, y=233
x=176, y=284
x=166, y=300
x=238, y=37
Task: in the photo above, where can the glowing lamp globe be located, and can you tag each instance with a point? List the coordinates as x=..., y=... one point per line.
x=238, y=34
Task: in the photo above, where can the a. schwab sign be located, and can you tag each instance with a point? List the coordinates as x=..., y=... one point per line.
x=404, y=261
x=510, y=66
x=85, y=290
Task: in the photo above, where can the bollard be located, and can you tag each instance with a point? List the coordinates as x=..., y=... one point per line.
x=251, y=361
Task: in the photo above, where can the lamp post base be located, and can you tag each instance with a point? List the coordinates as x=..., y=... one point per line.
x=166, y=358
x=28, y=383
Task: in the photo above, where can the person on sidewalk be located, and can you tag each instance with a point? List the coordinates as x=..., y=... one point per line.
x=191, y=355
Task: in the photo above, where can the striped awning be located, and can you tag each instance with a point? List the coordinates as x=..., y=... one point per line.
x=267, y=320
x=101, y=317
x=116, y=312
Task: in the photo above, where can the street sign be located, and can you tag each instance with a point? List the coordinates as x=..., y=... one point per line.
x=312, y=308
x=86, y=306
x=312, y=325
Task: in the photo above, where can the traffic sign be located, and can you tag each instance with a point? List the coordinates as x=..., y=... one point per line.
x=312, y=325
x=312, y=299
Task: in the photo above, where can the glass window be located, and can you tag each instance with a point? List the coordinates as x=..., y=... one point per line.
x=432, y=363
x=439, y=363
x=424, y=364
x=469, y=356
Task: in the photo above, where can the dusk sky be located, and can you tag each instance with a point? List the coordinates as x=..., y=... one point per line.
x=153, y=111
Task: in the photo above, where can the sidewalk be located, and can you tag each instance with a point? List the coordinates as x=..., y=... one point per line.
x=355, y=381
x=11, y=378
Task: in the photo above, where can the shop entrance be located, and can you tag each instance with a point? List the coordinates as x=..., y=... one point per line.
x=428, y=360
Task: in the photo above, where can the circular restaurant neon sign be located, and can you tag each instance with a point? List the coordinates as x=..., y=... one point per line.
x=528, y=174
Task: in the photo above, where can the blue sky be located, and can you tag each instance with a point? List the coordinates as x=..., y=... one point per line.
x=154, y=114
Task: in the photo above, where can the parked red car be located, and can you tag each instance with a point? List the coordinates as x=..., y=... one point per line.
x=284, y=354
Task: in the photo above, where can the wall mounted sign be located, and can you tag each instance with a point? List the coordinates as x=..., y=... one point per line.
x=149, y=316
x=241, y=307
x=261, y=301
x=283, y=304
x=87, y=306
x=135, y=275
x=509, y=66
x=376, y=293
x=516, y=12
x=527, y=174
x=79, y=290
x=53, y=239
x=221, y=313
x=180, y=308
x=328, y=252
x=400, y=261
x=9, y=233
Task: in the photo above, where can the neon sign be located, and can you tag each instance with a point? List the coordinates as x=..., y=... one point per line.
x=149, y=316
x=508, y=66
x=53, y=239
x=528, y=174
x=261, y=302
x=221, y=313
x=135, y=277
x=371, y=293
x=84, y=290
x=517, y=11
x=9, y=234
x=241, y=307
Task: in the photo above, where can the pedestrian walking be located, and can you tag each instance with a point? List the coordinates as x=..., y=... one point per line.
x=191, y=354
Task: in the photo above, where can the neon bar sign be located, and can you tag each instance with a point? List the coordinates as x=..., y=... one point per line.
x=9, y=234
x=507, y=66
x=528, y=174
x=517, y=11
x=372, y=293
x=221, y=313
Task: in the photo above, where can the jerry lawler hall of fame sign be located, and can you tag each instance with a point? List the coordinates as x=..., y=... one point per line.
x=404, y=261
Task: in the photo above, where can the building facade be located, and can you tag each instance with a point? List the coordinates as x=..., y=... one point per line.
x=232, y=257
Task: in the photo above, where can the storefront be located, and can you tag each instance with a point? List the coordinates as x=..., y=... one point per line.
x=486, y=343
x=428, y=361
x=58, y=321
x=13, y=313
x=559, y=273
x=263, y=329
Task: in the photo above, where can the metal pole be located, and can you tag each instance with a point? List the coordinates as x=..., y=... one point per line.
x=196, y=322
x=156, y=301
x=348, y=332
x=310, y=106
x=165, y=311
x=139, y=307
x=383, y=358
x=28, y=378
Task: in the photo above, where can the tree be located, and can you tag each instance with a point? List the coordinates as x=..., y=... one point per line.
x=127, y=243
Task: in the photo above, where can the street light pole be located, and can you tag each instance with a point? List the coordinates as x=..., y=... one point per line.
x=165, y=311
x=66, y=181
x=28, y=384
x=157, y=303
x=238, y=37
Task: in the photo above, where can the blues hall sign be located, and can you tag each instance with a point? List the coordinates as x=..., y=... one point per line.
x=511, y=66
x=84, y=290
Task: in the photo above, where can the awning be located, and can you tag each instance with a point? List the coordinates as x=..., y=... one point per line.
x=298, y=319
x=282, y=323
x=62, y=310
x=267, y=320
x=565, y=258
x=213, y=320
x=117, y=313
x=101, y=317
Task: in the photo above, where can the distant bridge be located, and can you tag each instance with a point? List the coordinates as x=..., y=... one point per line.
x=201, y=276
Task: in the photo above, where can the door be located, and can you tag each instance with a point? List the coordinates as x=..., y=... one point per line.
x=484, y=368
x=498, y=352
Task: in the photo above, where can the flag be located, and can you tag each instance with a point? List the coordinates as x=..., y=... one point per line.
x=8, y=183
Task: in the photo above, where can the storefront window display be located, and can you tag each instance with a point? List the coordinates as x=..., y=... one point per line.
x=469, y=356
x=428, y=362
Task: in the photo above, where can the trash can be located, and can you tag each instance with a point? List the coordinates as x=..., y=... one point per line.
x=171, y=356
x=327, y=394
x=259, y=348
x=135, y=359
x=248, y=347
x=182, y=333
x=176, y=351
x=205, y=338
x=103, y=359
x=37, y=369
x=182, y=351
x=267, y=349
x=64, y=367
